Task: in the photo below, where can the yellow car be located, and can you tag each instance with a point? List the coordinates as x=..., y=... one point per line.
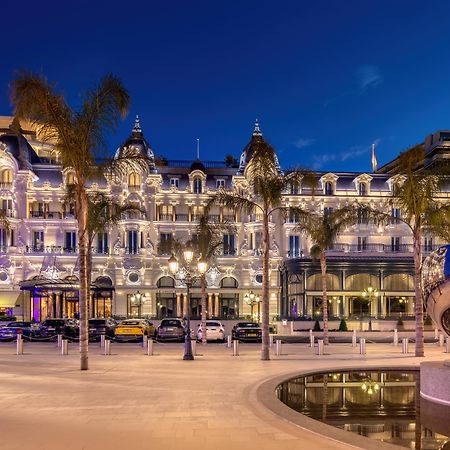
x=134, y=329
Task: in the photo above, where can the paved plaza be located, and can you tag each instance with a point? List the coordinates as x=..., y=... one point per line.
x=132, y=401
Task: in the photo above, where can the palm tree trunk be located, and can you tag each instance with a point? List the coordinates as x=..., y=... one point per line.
x=265, y=355
x=323, y=268
x=82, y=213
x=203, y=289
x=89, y=279
x=417, y=240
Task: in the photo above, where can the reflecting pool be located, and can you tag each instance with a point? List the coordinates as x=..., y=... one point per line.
x=381, y=405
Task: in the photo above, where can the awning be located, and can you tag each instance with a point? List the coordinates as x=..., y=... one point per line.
x=8, y=299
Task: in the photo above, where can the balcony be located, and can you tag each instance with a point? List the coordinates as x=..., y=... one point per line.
x=181, y=217
x=229, y=218
x=229, y=252
x=53, y=215
x=100, y=251
x=7, y=212
x=133, y=215
x=37, y=214
x=5, y=184
x=132, y=251
x=166, y=217
x=214, y=218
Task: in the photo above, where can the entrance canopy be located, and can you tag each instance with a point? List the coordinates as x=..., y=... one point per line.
x=8, y=299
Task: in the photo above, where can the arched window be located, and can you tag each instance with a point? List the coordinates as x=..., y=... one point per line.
x=134, y=181
x=70, y=179
x=165, y=282
x=399, y=282
x=229, y=282
x=197, y=185
x=314, y=282
x=361, y=281
x=6, y=177
x=329, y=188
x=362, y=189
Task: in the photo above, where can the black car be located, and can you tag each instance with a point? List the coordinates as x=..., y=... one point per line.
x=53, y=327
x=247, y=331
x=98, y=327
x=12, y=329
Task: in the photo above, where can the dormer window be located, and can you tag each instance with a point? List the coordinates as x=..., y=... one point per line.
x=362, y=189
x=329, y=188
x=174, y=182
x=70, y=179
x=220, y=183
x=294, y=188
x=6, y=178
x=134, y=182
x=197, y=185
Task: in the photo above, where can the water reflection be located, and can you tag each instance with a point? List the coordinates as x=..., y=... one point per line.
x=380, y=405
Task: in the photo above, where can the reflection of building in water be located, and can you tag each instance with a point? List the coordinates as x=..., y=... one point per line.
x=378, y=405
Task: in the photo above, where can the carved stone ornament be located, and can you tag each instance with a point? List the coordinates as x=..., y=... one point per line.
x=213, y=277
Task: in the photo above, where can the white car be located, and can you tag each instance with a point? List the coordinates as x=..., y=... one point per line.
x=214, y=331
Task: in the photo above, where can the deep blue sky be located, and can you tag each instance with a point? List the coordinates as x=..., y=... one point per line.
x=325, y=78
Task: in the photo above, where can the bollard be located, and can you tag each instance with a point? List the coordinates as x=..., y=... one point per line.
x=150, y=347
x=19, y=345
x=441, y=340
x=436, y=334
x=278, y=347
x=194, y=347
x=405, y=343
x=144, y=341
x=311, y=341
x=395, y=337
x=64, y=347
x=107, y=350
x=362, y=346
x=229, y=341
x=447, y=345
x=102, y=340
x=320, y=346
x=59, y=340
x=270, y=340
x=236, y=348
x=354, y=338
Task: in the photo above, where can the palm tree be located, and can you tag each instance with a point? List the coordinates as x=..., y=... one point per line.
x=80, y=139
x=415, y=192
x=207, y=242
x=323, y=230
x=264, y=197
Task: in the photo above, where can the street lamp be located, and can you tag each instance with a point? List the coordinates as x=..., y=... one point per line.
x=139, y=299
x=252, y=300
x=188, y=274
x=370, y=293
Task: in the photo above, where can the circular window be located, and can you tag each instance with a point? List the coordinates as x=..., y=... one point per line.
x=3, y=275
x=133, y=277
x=258, y=278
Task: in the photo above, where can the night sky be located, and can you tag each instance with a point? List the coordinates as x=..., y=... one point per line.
x=326, y=79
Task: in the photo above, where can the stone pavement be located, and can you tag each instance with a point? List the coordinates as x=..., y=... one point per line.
x=132, y=401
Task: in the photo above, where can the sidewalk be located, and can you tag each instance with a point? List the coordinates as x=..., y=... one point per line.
x=132, y=401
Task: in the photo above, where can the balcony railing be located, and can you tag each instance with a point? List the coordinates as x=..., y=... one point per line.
x=133, y=215
x=7, y=212
x=229, y=218
x=5, y=184
x=181, y=217
x=53, y=215
x=214, y=218
x=166, y=217
x=37, y=214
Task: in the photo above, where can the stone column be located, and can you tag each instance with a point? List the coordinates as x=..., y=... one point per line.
x=210, y=305
x=216, y=305
x=185, y=305
x=382, y=305
x=179, y=311
x=410, y=305
x=345, y=306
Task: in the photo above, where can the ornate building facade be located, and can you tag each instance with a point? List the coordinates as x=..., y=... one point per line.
x=38, y=253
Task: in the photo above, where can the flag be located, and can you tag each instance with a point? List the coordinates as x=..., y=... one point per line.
x=374, y=159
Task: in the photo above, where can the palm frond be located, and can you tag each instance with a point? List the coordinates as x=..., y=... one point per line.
x=233, y=201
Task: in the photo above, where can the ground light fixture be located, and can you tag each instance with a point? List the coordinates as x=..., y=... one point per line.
x=187, y=275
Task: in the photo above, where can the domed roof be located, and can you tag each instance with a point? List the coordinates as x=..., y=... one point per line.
x=19, y=147
x=198, y=165
x=137, y=141
x=247, y=153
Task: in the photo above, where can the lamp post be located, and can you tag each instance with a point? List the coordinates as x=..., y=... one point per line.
x=139, y=299
x=370, y=293
x=253, y=299
x=187, y=274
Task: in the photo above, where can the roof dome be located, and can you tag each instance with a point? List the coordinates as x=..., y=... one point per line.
x=19, y=147
x=198, y=165
x=138, y=142
x=247, y=153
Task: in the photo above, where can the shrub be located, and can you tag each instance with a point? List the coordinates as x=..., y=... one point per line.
x=400, y=323
x=343, y=325
x=7, y=318
x=317, y=326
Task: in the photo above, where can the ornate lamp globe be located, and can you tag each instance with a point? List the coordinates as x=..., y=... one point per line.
x=173, y=264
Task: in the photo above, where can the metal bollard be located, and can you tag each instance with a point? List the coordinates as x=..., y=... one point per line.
x=395, y=337
x=436, y=334
x=107, y=350
x=441, y=340
x=311, y=341
x=144, y=341
x=150, y=347
x=405, y=343
x=447, y=345
x=278, y=347
x=229, y=341
x=59, y=340
x=194, y=347
x=270, y=340
x=19, y=345
x=362, y=346
x=320, y=346
x=64, y=347
x=102, y=340
x=236, y=348
x=354, y=339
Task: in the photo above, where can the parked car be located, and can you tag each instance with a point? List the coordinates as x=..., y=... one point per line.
x=214, y=331
x=98, y=327
x=171, y=330
x=131, y=329
x=53, y=327
x=12, y=329
x=247, y=331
